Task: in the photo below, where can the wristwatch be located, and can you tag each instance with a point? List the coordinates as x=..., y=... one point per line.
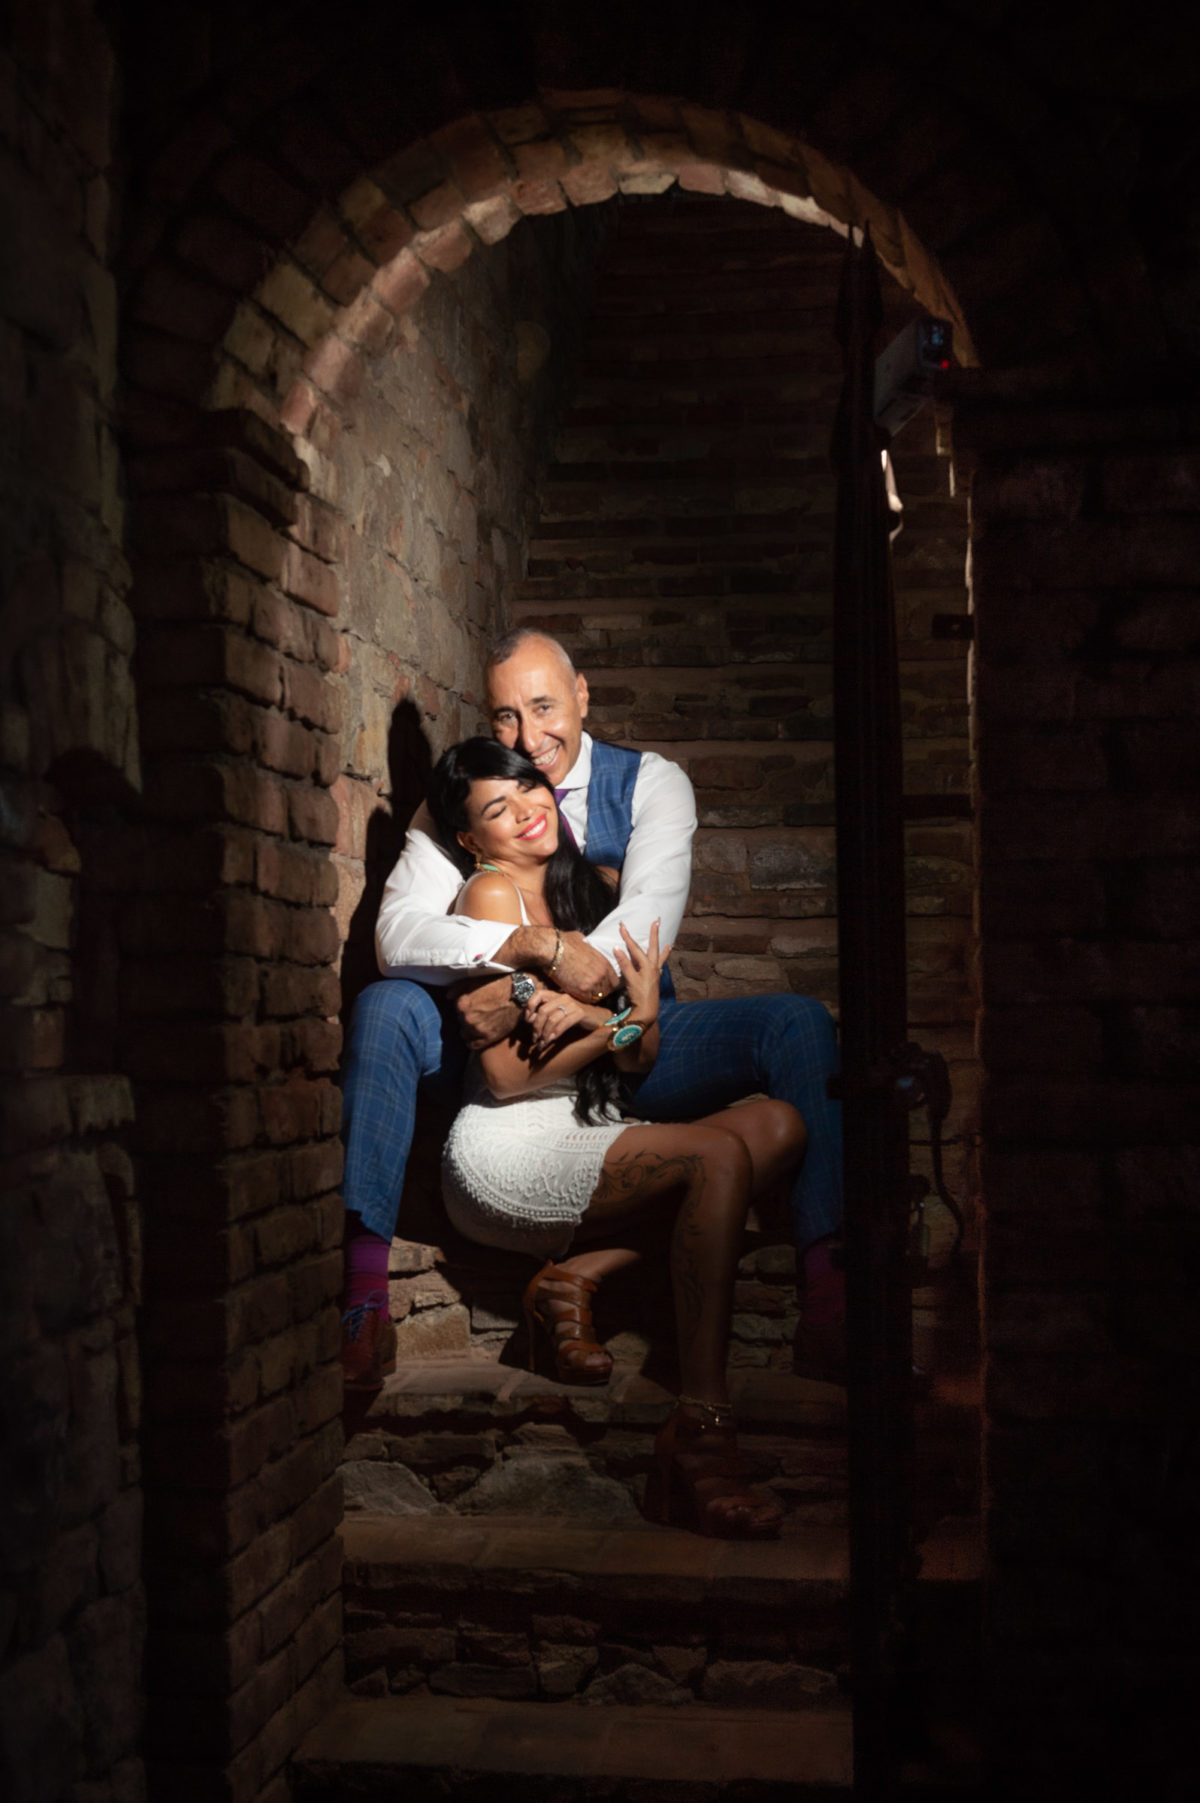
x=523, y=987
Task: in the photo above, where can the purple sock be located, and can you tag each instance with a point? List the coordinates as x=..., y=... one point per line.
x=366, y=1265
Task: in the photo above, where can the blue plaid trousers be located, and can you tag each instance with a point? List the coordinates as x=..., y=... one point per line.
x=403, y=1048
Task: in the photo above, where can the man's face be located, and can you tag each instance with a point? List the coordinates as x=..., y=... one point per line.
x=537, y=706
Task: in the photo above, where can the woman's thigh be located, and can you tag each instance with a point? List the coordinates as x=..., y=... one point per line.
x=651, y=1166
x=773, y=1133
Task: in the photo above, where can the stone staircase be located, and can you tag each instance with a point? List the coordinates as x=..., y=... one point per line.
x=512, y=1617
x=617, y=1661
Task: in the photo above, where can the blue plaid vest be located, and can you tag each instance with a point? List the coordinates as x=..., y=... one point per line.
x=610, y=812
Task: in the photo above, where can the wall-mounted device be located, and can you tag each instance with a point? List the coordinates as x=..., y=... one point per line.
x=904, y=372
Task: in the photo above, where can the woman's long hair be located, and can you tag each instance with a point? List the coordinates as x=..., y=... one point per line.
x=577, y=895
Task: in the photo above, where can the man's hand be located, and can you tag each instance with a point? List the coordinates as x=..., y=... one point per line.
x=582, y=971
x=486, y=1011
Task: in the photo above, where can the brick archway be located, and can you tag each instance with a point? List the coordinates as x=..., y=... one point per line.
x=254, y=327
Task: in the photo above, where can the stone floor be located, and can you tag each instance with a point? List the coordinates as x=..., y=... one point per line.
x=560, y=1751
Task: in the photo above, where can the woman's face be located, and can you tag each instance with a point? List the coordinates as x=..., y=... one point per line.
x=509, y=823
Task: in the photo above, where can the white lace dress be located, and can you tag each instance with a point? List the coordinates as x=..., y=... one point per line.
x=518, y=1174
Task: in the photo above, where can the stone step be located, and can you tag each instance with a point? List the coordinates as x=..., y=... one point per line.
x=436, y=1747
x=524, y=1610
x=515, y=1608
x=431, y=1749
x=473, y=1437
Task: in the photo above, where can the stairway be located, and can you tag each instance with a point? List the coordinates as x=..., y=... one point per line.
x=509, y=1612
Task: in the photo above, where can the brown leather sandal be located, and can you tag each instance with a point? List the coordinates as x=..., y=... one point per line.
x=699, y=1480
x=566, y=1316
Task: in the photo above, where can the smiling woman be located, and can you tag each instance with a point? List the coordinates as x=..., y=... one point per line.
x=541, y=1158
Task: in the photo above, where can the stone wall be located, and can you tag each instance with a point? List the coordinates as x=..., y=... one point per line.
x=71, y=1599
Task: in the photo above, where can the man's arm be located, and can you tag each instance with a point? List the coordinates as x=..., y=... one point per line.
x=657, y=873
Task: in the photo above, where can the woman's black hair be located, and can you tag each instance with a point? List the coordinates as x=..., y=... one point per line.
x=577, y=895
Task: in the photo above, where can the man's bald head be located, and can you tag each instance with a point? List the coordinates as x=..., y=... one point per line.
x=510, y=643
x=536, y=701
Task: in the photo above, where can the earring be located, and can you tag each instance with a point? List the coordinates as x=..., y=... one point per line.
x=481, y=863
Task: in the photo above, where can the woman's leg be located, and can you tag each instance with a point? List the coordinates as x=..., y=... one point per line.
x=698, y=1169
x=703, y=1175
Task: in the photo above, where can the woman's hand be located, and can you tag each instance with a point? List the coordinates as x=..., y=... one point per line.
x=552, y=1013
x=640, y=974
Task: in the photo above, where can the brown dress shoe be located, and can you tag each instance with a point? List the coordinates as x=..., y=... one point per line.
x=368, y=1346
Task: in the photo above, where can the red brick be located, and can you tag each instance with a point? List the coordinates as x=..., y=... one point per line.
x=311, y=696
x=367, y=323
x=588, y=184
x=312, y=937
x=384, y=234
x=536, y=198
x=473, y=157
x=298, y=407
x=315, y=1168
x=307, y=579
x=320, y=243
x=295, y=874
x=284, y=745
x=401, y=283
x=314, y=1044
x=335, y=368
x=345, y=280
x=492, y=220
x=436, y=208
x=313, y=815
x=446, y=249
x=701, y=178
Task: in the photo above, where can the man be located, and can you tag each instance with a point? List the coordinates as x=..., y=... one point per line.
x=634, y=812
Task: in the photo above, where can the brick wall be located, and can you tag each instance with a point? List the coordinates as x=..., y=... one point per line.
x=684, y=554
x=282, y=755
x=1035, y=184
x=71, y=1600
x=433, y=484
x=1084, y=539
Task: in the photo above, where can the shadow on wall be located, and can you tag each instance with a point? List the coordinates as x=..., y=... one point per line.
x=410, y=761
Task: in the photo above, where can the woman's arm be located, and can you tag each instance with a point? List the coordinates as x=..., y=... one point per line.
x=567, y=1034
x=527, y=1060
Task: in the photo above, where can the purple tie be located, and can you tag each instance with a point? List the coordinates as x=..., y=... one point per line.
x=558, y=796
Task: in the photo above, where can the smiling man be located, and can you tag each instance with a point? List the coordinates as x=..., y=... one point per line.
x=632, y=811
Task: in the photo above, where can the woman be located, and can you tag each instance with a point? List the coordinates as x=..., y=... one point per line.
x=540, y=1160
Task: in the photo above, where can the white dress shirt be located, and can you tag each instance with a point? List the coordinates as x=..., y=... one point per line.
x=417, y=936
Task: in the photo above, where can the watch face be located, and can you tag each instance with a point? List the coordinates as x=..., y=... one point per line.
x=626, y=1036
x=523, y=988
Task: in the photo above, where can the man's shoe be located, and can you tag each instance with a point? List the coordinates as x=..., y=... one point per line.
x=368, y=1345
